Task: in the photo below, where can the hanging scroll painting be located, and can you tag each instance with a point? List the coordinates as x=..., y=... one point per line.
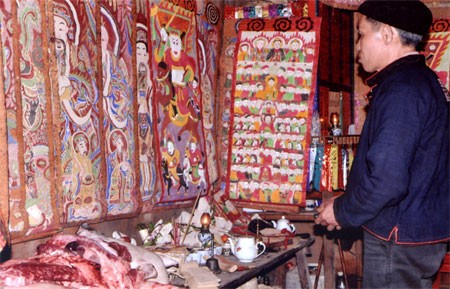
x=122, y=194
x=229, y=40
x=149, y=184
x=274, y=83
x=208, y=28
x=437, y=50
x=77, y=93
x=177, y=102
x=35, y=205
x=4, y=178
x=12, y=201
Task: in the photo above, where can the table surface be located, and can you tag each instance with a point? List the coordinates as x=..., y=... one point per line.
x=263, y=264
x=303, y=215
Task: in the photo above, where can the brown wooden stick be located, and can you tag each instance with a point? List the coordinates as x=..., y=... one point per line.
x=192, y=215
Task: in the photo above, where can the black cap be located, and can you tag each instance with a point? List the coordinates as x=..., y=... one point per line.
x=408, y=15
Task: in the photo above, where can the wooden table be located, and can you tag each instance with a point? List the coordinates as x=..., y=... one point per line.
x=269, y=262
x=328, y=245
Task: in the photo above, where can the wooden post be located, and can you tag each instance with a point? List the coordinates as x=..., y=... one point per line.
x=302, y=267
x=328, y=246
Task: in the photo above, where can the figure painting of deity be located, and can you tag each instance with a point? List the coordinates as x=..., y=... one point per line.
x=116, y=102
x=182, y=111
x=193, y=166
x=173, y=175
x=121, y=183
x=76, y=94
x=118, y=96
x=82, y=185
x=276, y=52
x=75, y=66
x=271, y=89
x=145, y=120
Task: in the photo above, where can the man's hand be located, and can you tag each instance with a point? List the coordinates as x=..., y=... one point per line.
x=326, y=216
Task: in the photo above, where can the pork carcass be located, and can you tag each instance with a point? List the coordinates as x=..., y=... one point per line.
x=141, y=259
x=67, y=270
x=41, y=285
x=114, y=267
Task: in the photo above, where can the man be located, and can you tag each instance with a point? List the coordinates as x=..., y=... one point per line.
x=398, y=188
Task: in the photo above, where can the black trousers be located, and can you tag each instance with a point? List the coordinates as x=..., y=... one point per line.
x=388, y=265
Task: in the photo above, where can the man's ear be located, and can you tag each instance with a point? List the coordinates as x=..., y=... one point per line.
x=387, y=33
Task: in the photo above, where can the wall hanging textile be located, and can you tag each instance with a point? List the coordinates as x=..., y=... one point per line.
x=32, y=198
x=274, y=84
x=122, y=170
x=209, y=25
x=437, y=50
x=77, y=102
x=83, y=103
x=10, y=108
x=225, y=88
x=294, y=8
x=4, y=208
x=178, y=102
x=150, y=184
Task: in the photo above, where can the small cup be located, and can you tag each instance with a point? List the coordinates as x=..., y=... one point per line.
x=310, y=205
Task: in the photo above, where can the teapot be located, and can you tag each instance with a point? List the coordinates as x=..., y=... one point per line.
x=283, y=223
x=246, y=248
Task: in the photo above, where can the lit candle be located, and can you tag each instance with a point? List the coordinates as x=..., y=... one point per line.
x=205, y=220
x=334, y=119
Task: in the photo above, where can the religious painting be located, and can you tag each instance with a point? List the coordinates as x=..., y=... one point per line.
x=73, y=42
x=437, y=50
x=4, y=178
x=16, y=222
x=34, y=208
x=122, y=194
x=274, y=85
x=149, y=183
x=208, y=28
x=182, y=156
x=225, y=89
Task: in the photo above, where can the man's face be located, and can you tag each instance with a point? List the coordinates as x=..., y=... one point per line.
x=369, y=46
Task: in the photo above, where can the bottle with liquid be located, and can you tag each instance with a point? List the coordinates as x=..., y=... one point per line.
x=340, y=282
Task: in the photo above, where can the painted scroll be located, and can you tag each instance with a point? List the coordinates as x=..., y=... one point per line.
x=77, y=93
x=225, y=91
x=15, y=180
x=4, y=178
x=150, y=185
x=122, y=196
x=274, y=84
x=437, y=50
x=34, y=132
x=208, y=28
x=177, y=102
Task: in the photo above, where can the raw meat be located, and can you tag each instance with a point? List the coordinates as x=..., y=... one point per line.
x=115, y=271
x=141, y=259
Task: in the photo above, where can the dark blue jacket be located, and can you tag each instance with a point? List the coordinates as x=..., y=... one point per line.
x=399, y=181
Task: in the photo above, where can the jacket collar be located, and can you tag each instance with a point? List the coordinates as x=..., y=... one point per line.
x=379, y=76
